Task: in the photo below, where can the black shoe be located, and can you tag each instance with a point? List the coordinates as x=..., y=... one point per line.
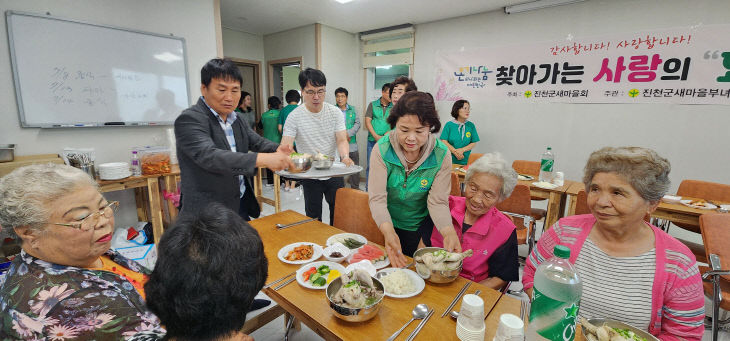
x=258, y=304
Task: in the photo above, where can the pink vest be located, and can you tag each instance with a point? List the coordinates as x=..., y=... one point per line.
x=485, y=236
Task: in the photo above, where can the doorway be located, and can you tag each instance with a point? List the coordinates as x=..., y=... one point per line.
x=284, y=76
x=251, y=74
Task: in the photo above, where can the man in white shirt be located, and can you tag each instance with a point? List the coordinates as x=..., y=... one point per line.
x=316, y=127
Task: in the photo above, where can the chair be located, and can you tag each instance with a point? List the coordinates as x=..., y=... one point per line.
x=702, y=190
x=581, y=203
x=517, y=207
x=352, y=214
x=530, y=168
x=473, y=157
x=455, y=186
x=714, y=227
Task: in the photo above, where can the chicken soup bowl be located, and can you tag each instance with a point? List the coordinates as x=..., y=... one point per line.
x=436, y=276
x=354, y=314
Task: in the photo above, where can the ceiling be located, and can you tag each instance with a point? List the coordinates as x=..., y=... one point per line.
x=270, y=16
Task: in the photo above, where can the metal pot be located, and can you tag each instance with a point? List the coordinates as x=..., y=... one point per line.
x=353, y=314
x=301, y=164
x=435, y=276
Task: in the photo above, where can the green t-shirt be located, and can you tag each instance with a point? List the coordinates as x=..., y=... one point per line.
x=453, y=136
x=270, y=121
x=284, y=113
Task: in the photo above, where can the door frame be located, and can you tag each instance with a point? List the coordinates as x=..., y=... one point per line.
x=258, y=98
x=284, y=62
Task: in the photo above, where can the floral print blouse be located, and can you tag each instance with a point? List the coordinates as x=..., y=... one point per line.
x=44, y=301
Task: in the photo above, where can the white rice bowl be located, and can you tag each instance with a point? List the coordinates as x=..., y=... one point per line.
x=398, y=282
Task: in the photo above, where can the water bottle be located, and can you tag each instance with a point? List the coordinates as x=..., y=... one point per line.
x=555, y=299
x=136, y=168
x=546, y=165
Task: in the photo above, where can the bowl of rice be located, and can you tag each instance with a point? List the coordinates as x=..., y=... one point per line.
x=400, y=283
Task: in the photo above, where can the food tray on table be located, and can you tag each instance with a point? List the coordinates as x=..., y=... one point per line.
x=338, y=169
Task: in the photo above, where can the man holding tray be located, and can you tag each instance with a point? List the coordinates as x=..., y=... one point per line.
x=317, y=127
x=217, y=150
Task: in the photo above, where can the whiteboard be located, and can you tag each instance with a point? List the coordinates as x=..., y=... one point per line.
x=75, y=74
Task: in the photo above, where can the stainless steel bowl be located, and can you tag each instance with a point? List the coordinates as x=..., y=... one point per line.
x=435, y=276
x=620, y=325
x=7, y=152
x=301, y=164
x=322, y=163
x=353, y=314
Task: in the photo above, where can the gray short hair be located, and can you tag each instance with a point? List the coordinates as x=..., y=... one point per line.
x=494, y=164
x=26, y=192
x=643, y=168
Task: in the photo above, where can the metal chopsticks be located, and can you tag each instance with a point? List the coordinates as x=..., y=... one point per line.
x=285, y=283
x=278, y=280
x=456, y=299
x=415, y=332
x=501, y=293
x=281, y=227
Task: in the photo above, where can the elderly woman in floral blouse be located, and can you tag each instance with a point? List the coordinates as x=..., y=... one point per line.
x=66, y=284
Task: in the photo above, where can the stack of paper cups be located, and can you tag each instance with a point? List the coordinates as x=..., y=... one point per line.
x=511, y=328
x=470, y=324
x=170, y=132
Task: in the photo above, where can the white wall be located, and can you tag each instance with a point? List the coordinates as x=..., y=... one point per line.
x=692, y=137
x=191, y=19
x=297, y=42
x=242, y=45
x=341, y=64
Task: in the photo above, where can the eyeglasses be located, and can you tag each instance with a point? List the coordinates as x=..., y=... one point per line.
x=312, y=92
x=90, y=221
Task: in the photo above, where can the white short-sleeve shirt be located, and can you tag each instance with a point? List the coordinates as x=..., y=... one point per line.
x=314, y=132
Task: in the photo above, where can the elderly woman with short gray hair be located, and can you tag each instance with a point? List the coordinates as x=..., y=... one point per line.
x=66, y=283
x=481, y=227
x=631, y=270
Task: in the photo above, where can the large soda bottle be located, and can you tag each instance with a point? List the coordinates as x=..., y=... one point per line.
x=555, y=299
x=547, y=160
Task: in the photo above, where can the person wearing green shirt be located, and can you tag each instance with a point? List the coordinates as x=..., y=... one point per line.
x=292, y=100
x=269, y=125
x=376, y=115
x=460, y=135
x=352, y=123
x=410, y=180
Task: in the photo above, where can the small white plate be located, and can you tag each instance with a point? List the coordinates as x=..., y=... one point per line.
x=336, y=238
x=706, y=206
x=316, y=249
x=725, y=207
x=417, y=281
x=672, y=199
x=305, y=267
x=545, y=185
x=363, y=265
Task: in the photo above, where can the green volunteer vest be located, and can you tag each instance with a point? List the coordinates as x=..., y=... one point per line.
x=408, y=194
x=380, y=119
x=350, y=117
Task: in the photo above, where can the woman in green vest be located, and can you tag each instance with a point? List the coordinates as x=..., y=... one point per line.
x=460, y=135
x=270, y=126
x=410, y=179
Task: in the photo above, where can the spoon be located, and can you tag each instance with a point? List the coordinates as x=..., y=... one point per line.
x=455, y=314
x=418, y=313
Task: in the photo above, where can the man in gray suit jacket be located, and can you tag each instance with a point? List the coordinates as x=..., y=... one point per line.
x=217, y=151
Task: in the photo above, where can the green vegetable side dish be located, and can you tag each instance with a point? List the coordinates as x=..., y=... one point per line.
x=629, y=334
x=319, y=278
x=353, y=243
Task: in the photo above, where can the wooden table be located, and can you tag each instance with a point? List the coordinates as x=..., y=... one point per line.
x=312, y=307
x=149, y=206
x=556, y=196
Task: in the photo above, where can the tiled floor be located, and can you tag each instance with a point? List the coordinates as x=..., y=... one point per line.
x=294, y=200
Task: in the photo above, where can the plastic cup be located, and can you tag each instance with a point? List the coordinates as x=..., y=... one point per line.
x=511, y=328
x=471, y=314
x=559, y=178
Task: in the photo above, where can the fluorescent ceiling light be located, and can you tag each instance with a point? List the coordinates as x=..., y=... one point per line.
x=167, y=57
x=384, y=67
x=343, y=1
x=539, y=4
